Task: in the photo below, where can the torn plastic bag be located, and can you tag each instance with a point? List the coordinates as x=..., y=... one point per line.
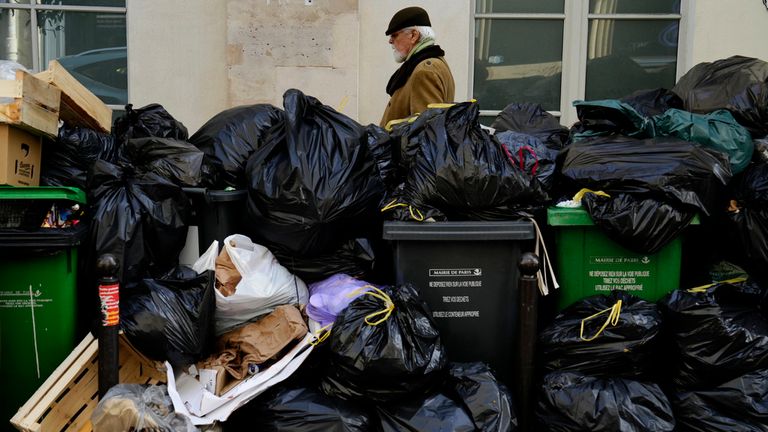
x=330, y=296
x=629, y=348
x=532, y=156
x=717, y=130
x=265, y=284
x=680, y=170
x=721, y=332
x=171, y=318
x=530, y=119
x=66, y=163
x=572, y=402
x=487, y=401
x=141, y=219
x=231, y=136
x=177, y=161
x=355, y=257
x=638, y=222
x=149, y=121
x=649, y=103
x=137, y=407
x=316, y=185
x=300, y=409
x=384, y=346
x=609, y=117
x=738, y=84
x=739, y=405
x=464, y=173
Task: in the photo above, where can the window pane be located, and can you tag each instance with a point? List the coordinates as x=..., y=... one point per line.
x=15, y=1
x=114, y=3
x=634, y=6
x=624, y=56
x=15, y=36
x=518, y=61
x=91, y=46
x=520, y=6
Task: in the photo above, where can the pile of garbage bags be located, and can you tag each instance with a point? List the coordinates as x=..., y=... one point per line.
x=695, y=361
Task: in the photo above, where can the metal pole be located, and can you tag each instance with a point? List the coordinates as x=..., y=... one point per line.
x=529, y=296
x=109, y=296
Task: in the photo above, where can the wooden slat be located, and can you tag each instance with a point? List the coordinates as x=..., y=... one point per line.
x=35, y=105
x=72, y=412
x=79, y=106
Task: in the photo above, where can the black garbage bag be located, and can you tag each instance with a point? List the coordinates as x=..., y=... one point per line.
x=720, y=332
x=300, y=409
x=653, y=102
x=171, y=318
x=532, y=156
x=630, y=348
x=761, y=151
x=382, y=148
x=470, y=400
x=66, y=163
x=487, y=401
x=355, y=257
x=404, y=143
x=642, y=224
x=149, y=121
x=231, y=136
x=177, y=161
x=739, y=405
x=315, y=185
x=681, y=171
x=737, y=83
x=141, y=219
x=572, y=402
x=609, y=117
x=463, y=173
x=748, y=214
x=384, y=356
x=530, y=119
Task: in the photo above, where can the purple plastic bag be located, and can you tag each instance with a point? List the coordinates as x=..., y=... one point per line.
x=329, y=297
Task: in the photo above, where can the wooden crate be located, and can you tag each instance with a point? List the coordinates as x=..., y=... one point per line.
x=35, y=104
x=66, y=400
x=79, y=107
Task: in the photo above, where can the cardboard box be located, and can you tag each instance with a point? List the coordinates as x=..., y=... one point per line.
x=19, y=157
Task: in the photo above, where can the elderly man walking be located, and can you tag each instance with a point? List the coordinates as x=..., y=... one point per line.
x=424, y=76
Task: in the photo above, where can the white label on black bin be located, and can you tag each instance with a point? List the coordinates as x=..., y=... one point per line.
x=455, y=272
x=456, y=314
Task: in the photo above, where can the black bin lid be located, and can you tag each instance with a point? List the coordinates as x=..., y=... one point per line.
x=459, y=230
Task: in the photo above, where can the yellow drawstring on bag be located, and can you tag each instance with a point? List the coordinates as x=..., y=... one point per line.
x=321, y=335
x=416, y=214
x=580, y=194
x=613, y=318
x=704, y=288
x=381, y=295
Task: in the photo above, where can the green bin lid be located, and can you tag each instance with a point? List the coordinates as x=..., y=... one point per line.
x=566, y=216
x=42, y=193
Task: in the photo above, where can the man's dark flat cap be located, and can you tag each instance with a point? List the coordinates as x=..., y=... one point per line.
x=408, y=17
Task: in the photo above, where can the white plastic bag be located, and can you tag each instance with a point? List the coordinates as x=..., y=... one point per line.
x=265, y=285
x=207, y=261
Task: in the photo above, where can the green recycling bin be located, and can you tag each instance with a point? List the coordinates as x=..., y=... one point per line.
x=590, y=263
x=38, y=270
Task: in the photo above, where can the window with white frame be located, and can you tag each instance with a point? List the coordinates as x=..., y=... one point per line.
x=553, y=52
x=88, y=38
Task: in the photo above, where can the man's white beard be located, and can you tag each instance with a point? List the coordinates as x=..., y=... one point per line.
x=399, y=57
